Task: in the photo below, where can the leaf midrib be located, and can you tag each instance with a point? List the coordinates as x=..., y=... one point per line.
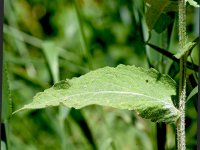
x=105, y=92
x=112, y=92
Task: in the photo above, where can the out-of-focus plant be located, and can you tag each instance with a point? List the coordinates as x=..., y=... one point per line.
x=78, y=36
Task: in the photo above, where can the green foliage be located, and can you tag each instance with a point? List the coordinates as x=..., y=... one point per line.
x=39, y=35
x=192, y=93
x=51, y=53
x=186, y=50
x=193, y=3
x=6, y=96
x=155, y=14
x=3, y=145
x=123, y=87
x=163, y=22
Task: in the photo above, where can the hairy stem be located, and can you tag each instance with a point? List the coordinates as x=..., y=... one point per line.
x=182, y=81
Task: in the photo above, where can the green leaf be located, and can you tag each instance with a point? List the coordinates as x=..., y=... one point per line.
x=6, y=101
x=147, y=92
x=193, y=93
x=193, y=3
x=171, y=7
x=78, y=117
x=3, y=145
x=162, y=23
x=107, y=144
x=156, y=8
x=52, y=53
x=187, y=48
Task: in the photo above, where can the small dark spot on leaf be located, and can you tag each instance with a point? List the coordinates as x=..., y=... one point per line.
x=147, y=81
x=64, y=84
x=61, y=104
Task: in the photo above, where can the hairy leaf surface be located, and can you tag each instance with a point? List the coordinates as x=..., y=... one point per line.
x=147, y=92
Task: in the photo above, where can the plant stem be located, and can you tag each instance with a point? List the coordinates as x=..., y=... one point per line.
x=182, y=81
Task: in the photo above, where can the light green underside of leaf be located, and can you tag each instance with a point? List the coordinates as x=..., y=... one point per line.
x=192, y=3
x=125, y=87
x=188, y=47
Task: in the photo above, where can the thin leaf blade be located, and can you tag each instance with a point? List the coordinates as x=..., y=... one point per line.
x=193, y=93
x=52, y=53
x=6, y=96
x=147, y=92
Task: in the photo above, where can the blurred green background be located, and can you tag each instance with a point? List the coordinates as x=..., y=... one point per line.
x=46, y=41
